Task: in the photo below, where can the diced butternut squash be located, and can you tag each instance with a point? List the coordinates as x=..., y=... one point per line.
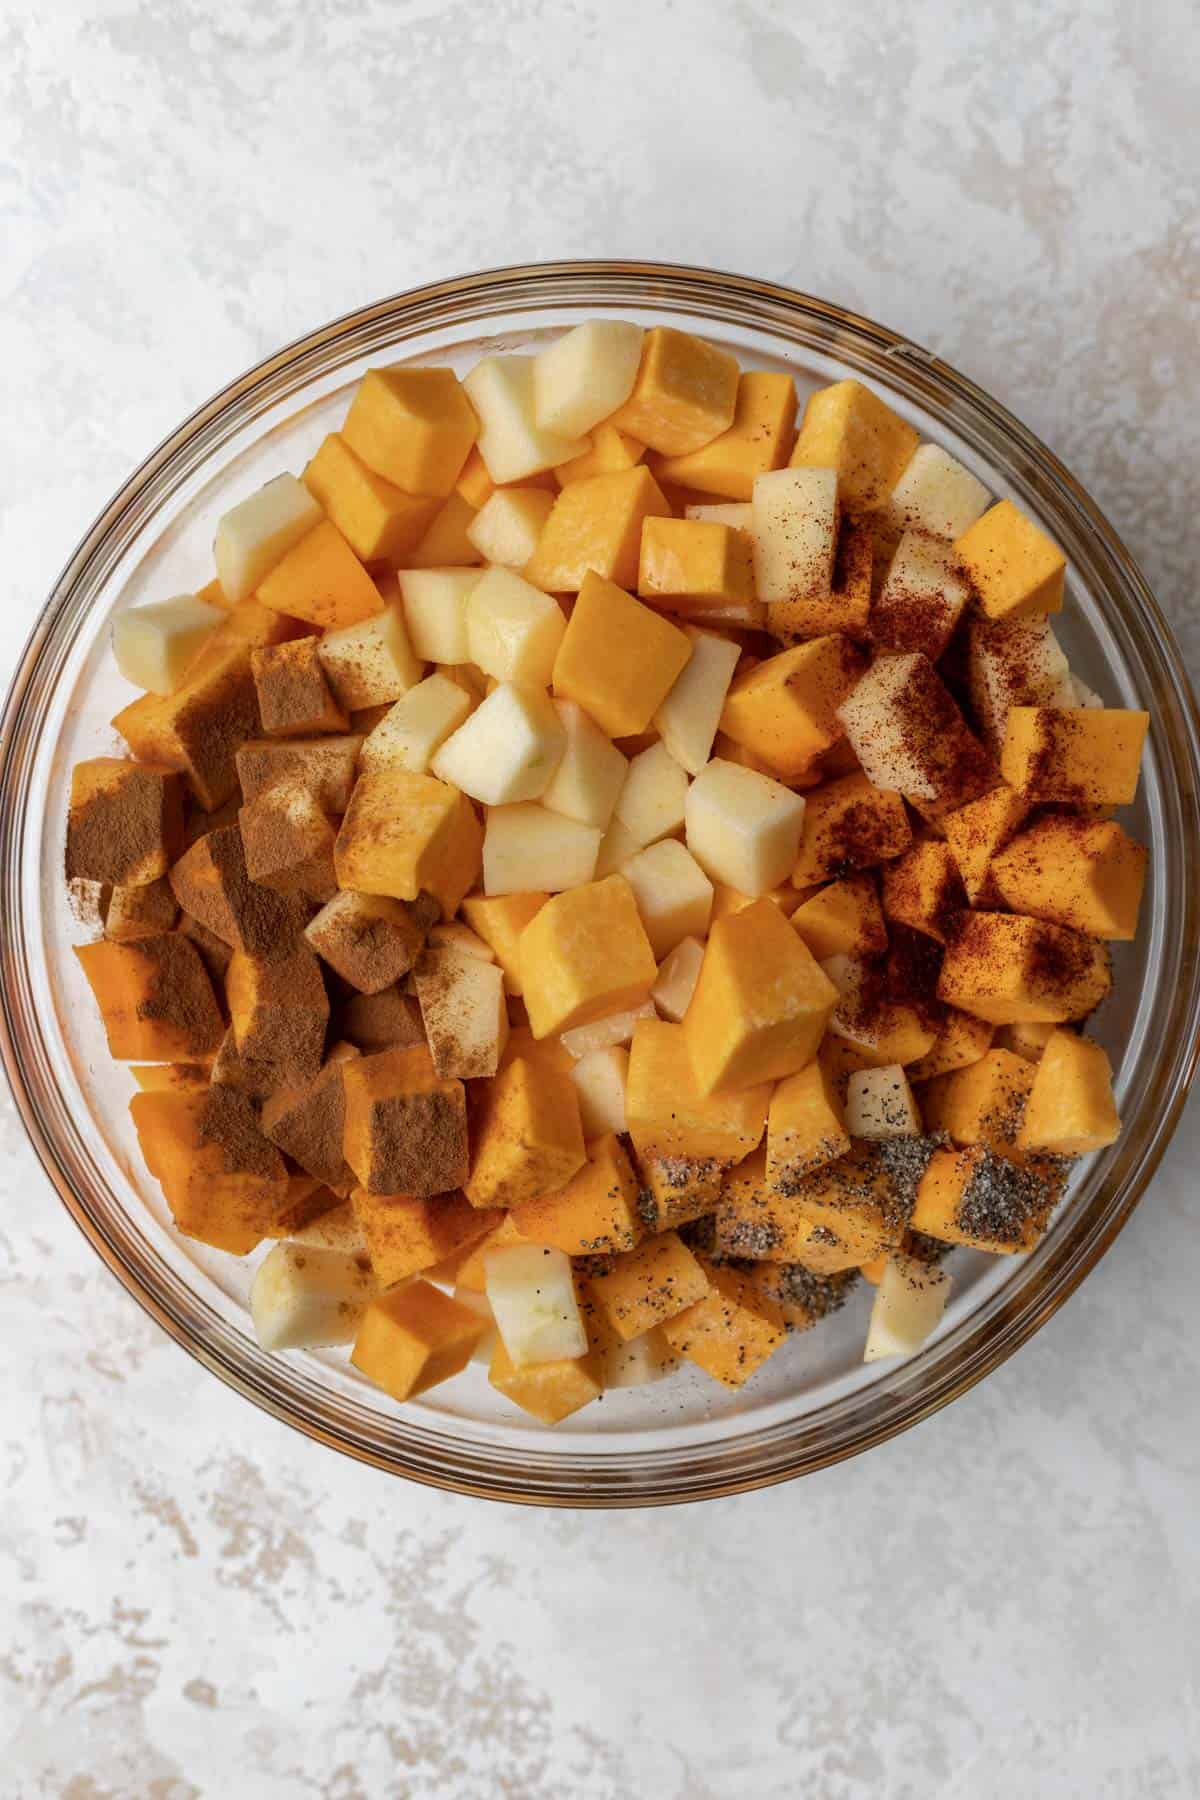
x=649, y=1285
x=583, y=955
x=849, y=824
x=1009, y=969
x=843, y=918
x=691, y=565
x=198, y=729
x=977, y=832
x=406, y=1126
x=155, y=998
x=983, y=1103
x=617, y=660
x=500, y=919
x=414, y=427
x=759, y=438
x=1070, y=1110
x=1015, y=568
x=685, y=394
x=805, y=1127
x=732, y=1331
x=549, y=1391
x=414, y=1338
x=1075, y=871
x=379, y=521
x=668, y=1114
x=848, y=428
x=785, y=710
x=403, y=833
x=223, y=1181
x=406, y=1236
x=597, y=1211
x=922, y=889
x=596, y=525
x=977, y=1198
x=527, y=1140
x=321, y=580
x=1080, y=756
x=124, y=824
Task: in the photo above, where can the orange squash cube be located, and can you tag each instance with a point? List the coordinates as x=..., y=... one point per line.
x=881, y=1030
x=843, y=918
x=500, y=919
x=1080, y=756
x=223, y=1181
x=983, y=1103
x=804, y=1298
x=618, y=660
x=761, y=1004
x=279, y=1011
x=415, y=427
x=155, y=999
x=406, y=1236
x=647, y=1286
x=446, y=544
x=977, y=1198
x=1070, y=1109
x=403, y=833
x=1008, y=969
x=549, y=1391
x=692, y=565
x=611, y=451
x=406, y=1126
x=961, y=1040
x=212, y=885
x=1028, y=1038
x=848, y=428
x=858, y=1198
x=414, y=1338
x=321, y=580
x=977, y=832
x=528, y=1139
x=754, y=1220
x=677, y=1189
x=125, y=822
x=585, y=955
x=785, y=710
x=849, y=824
x=805, y=1127
x=597, y=1211
x=685, y=394
x=596, y=524
x=1084, y=873
x=759, y=438
x=1015, y=568
x=198, y=729
x=923, y=890
x=379, y=521
x=732, y=1331
x=668, y=1114
x=294, y=698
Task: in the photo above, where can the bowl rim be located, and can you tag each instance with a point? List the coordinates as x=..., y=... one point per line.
x=1016, y=1322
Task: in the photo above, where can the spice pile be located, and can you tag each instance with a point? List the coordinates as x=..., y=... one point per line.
x=600, y=870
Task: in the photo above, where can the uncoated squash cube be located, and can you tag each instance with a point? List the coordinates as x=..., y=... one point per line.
x=403, y=833
x=414, y=1338
x=618, y=659
x=155, y=998
x=785, y=710
x=1016, y=569
x=669, y=1116
x=224, y=1182
x=685, y=394
x=648, y=1286
x=597, y=1210
x=1080, y=756
x=759, y=439
x=549, y=1391
x=414, y=427
x=528, y=1140
x=843, y=918
x=1070, y=1110
x=1079, y=872
x=732, y=1331
x=125, y=823
x=692, y=565
x=321, y=580
x=596, y=524
x=761, y=1004
x=378, y=520
x=406, y=1127
x=583, y=955
x=1009, y=969
x=848, y=428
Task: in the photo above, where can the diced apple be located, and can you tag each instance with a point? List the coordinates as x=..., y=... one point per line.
x=743, y=828
x=155, y=645
x=453, y=934
x=738, y=513
x=258, y=533
x=528, y=848
x=372, y=662
x=1083, y=695
x=410, y=733
x=922, y=598
x=513, y=629
x=435, y=608
x=616, y=848
x=936, y=494
x=653, y=796
x=461, y=997
x=511, y=442
x=303, y=1297
x=677, y=978
x=507, y=750
x=1017, y=664
x=600, y=1078
x=585, y=375
x=795, y=533
x=602, y=1034
x=531, y=1292
x=909, y=1303
x=591, y=772
x=674, y=896
x=688, y=718
x=641, y=1361
x=508, y=525
x=880, y=1104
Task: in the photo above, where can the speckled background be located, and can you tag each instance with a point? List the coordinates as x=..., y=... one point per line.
x=194, y=1602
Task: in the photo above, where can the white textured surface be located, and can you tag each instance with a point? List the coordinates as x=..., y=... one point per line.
x=193, y=1601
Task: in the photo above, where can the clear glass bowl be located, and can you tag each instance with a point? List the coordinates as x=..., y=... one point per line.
x=684, y=1439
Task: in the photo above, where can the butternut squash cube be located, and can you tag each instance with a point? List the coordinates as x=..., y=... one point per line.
x=1079, y=872
x=843, y=918
x=618, y=660
x=977, y=1198
x=649, y=1285
x=611, y=451
x=125, y=822
x=140, y=912
x=549, y=1391
x=222, y=1180
x=685, y=394
x=1008, y=969
x=1080, y=756
x=414, y=427
x=597, y=1211
x=849, y=824
x=848, y=428
x=446, y=544
x=288, y=842
x=414, y=1338
x=669, y=1116
x=155, y=999
x=975, y=833
x=858, y=1198
x=379, y=521
x=960, y=1041
x=407, y=1236
x=370, y=940
x=197, y=730
x=596, y=525
x=753, y=1219
x=785, y=710
x=732, y=1331
x=585, y=954
x=742, y=827
x=325, y=766
x=922, y=889
x=294, y=697
x=279, y=1011
x=688, y=565
x=403, y=833
x=500, y=919
x=981, y=1104
x=406, y=1126
x=321, y=580
x=805, y=1128
x=528, y=1140
x=759, y=438
x=1070, y=1110
x=1016, y=569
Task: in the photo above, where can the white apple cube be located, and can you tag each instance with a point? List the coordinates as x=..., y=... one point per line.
x=478, y=1303
x=602, y=1034
x=653, y=796
x=435, y=610
x=454, y=935
x=1082, y=695
x=880, y=1104
x=795, y=533
x=372, y=662
x=591, y=772
x=737, y=513
x=585, y=375
x=923, y=596
x=508, y=525
x=507, y=750
x=511, y=442
x=409, y=735
x=531, y=1291
x=155, y=645
x=936, y=494
x=639, y=1362
x=743, y=828
x=674, y=896
x=845, y=972
x=461, y=997
x=337, y=1229
x=1017, y=664
x=303, y=1298
x=513, y=629
x=528, y=849
x=688, y=718
x=677, y=978
x=909, y=1303
x=259, y=531
x=600, y=1080
x=617, y=847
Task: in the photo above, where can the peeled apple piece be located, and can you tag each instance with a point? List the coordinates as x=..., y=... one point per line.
x=258, y=533
x=531, y=1292
x=304, y=1298
x=155, y=644
x=585, y=375
x=909, y=1304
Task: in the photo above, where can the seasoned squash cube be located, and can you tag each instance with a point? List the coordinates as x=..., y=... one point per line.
x=805, y=1128
x=669, y=1117
x=909, y=735
x=1079, y=872
x=223, y=1181
x=414, y=1338
x=981, y=1104
x=279, y=1011
x=761, y=1004
x=370, y=940
x=843, y=918
x=922, y=889
x=649, y=1285
x=294, y=697
x=848, y=428
x=690, y=565
x=140, y=912
x=379, y=521
x=406, y=1126
x=1009, y=969
x=597, y=1211
x=585, y=954
x=212, y=885
x=685, y=394
x=742, y=827
x=977, y=1198
x=960, y=1041
x=321, y=580
x=785, y=710
x=1081, y=756
x=732, y=1331
x=760, y=438
x=414, y=427
x=125, y=823
x=859, y=1198
x=618, y=660
x=288, y=842
x=528, y=1140
x=1015, y=568
x=198, y=729
x=403, y=833
x=155, y=999
x=406, y=1236
x=325, y=766
x=596, y=525
x=1070, y=1110
x=977, y=832
x=307, y=1122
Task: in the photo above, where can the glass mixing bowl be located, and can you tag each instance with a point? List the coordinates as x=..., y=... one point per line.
x=686, y=1438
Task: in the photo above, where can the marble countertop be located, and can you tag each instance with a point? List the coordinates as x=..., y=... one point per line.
x=195, y=1602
